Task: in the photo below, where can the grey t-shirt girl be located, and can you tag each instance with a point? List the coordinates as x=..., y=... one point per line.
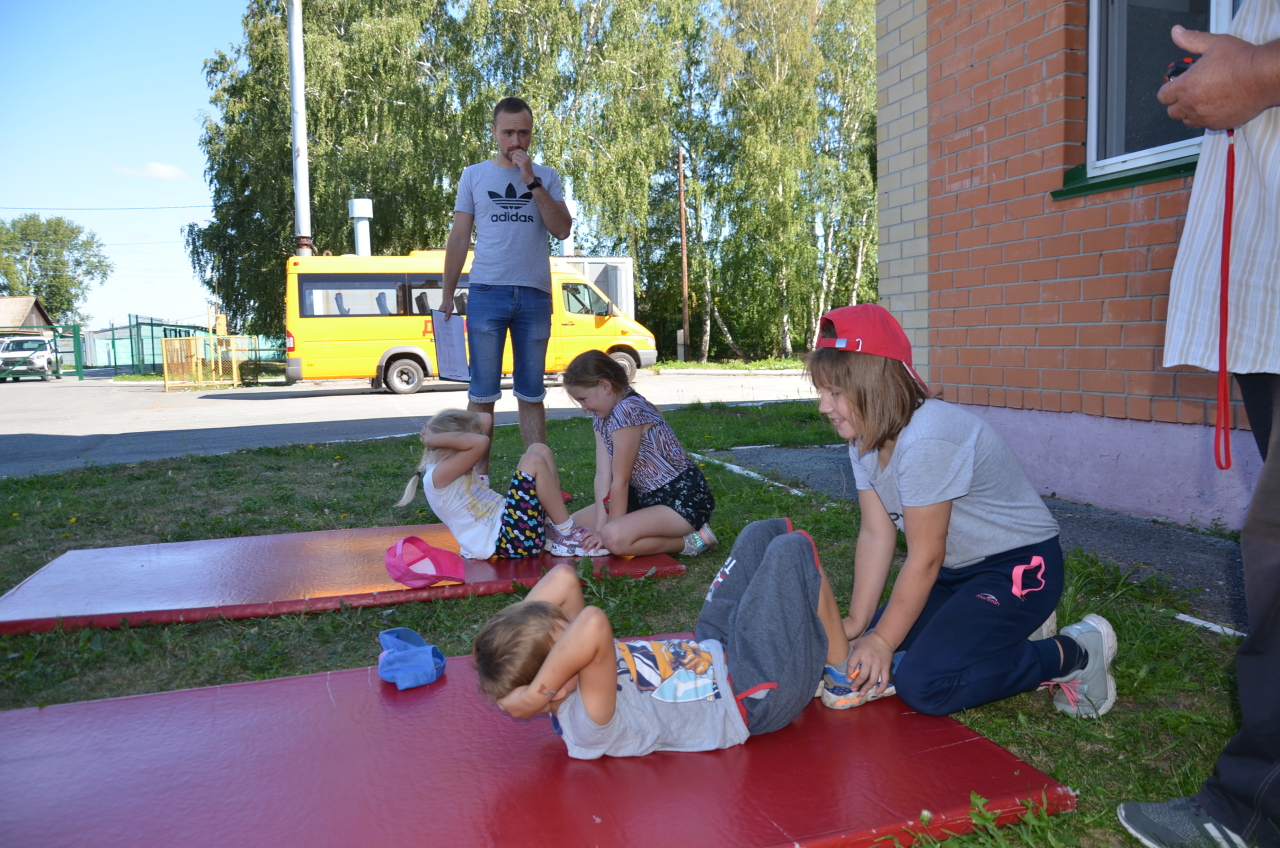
x=946, y=453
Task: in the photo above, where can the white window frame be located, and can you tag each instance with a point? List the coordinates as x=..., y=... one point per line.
x=1220, y=12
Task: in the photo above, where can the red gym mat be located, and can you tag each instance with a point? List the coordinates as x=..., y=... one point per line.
x=345, y=759
x=254, y=576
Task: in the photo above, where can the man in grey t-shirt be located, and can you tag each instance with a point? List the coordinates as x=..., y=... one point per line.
x=513, y=204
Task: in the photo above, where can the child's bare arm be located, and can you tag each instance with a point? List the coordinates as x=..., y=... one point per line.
x=877, y=541
x=626, y=445
x=603, y=481
x=585, y=651
x=470, y=448
x=560, y=586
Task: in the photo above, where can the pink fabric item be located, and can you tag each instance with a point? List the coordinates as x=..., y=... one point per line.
x=418, y=565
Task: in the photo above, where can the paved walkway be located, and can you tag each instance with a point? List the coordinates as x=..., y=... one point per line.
x=1207, y=566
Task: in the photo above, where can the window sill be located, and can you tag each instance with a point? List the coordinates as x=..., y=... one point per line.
x=1076, y=182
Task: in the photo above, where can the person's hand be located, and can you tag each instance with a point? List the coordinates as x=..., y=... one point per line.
x=592, y=541
x=521, y=703
x=524, y=162
x=1229, y=84
x=875, y=656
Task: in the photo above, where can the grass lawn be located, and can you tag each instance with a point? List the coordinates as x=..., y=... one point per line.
x=1177, y=703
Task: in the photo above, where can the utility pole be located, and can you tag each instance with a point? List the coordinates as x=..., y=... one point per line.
x=684, y=258
x=298, y=114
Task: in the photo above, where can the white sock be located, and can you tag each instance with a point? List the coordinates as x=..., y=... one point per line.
x=564, y=528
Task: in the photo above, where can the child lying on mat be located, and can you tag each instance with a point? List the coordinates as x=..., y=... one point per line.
x=484, y=523
x=768, y=625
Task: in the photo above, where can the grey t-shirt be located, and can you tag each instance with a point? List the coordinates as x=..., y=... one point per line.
x=948, y=454
x=673, y=695
x=511, y=240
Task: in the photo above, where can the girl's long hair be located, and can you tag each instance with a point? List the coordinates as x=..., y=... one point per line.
x=445, y=421
x=881, y=391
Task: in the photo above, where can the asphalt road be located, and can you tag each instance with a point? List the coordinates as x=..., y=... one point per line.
x=61, y=424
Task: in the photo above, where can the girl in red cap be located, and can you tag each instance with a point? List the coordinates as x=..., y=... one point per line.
x=983, y=570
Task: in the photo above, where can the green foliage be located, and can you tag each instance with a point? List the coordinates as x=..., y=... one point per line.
x=772, y=106
x=55, y=260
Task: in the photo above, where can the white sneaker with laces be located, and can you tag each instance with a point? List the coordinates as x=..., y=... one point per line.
x=1088, y=692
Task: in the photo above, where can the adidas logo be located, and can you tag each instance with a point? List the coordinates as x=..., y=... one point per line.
x=511, y=200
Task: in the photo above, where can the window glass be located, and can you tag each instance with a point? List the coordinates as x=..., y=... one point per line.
x=1129, y=52
x=348, y=294
x=581, y=299
x=425, y=293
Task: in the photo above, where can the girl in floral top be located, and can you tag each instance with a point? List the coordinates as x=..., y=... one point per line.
x=650, y=496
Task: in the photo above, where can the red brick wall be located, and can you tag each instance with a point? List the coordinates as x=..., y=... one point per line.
x=1036, y=303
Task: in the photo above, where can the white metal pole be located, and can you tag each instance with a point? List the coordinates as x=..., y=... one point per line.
x=298, y=112
x=361, y=210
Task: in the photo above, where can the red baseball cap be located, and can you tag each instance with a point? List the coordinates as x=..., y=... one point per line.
x=867, y=328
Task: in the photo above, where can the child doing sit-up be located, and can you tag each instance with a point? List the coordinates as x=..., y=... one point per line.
x=767, y=628
x=484, y=522
x=650, y=497
x=984, y=568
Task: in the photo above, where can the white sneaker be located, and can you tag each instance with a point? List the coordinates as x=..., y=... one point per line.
x=701, y=540
x=1089, y=692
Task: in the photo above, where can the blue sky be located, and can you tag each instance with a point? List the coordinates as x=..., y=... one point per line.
x=102, y=105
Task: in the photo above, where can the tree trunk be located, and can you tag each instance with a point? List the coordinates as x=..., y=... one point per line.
x=786, y=318
x=728, y=337
x=857, y=270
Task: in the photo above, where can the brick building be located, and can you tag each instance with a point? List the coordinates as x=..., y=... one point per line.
x=1028, y=228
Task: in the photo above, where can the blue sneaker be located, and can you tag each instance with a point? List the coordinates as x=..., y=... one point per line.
x=837, y=694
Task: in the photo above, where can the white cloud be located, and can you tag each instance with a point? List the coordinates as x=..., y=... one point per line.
x=154, y=171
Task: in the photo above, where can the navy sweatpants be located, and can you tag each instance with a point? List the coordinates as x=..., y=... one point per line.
x=969, y=646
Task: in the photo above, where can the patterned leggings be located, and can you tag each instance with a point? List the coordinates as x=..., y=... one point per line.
x=523, y=531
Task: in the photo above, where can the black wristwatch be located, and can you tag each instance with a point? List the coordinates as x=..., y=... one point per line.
x=537, y=183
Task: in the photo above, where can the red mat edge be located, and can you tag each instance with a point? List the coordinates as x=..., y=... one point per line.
x=1054, y=799
x=111, y=621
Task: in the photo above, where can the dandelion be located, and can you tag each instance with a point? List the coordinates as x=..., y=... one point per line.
x=338, y=457
x=344, y=515
x=73, y=521
x=15, y=515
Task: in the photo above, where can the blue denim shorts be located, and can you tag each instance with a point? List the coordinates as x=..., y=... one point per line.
x=492, y=311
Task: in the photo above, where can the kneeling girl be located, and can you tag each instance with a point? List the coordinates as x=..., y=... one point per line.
x=984, y=569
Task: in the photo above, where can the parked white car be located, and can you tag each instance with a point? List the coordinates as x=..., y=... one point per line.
x=29, y=357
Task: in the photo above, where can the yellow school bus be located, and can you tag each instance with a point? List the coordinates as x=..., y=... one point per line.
x=369, y=317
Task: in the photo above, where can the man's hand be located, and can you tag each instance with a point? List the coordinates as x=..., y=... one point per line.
x=1230, y=84
x=524, y=162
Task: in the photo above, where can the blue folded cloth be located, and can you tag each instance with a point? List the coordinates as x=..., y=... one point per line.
x=407, y=660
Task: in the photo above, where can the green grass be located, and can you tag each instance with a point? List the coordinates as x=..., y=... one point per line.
x=775, y=364
x=1177, y=702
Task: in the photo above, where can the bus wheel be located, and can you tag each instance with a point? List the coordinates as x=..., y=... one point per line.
x=404, y=376
x=628, y=364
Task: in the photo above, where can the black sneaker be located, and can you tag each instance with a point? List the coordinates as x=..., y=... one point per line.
x=1180, y=823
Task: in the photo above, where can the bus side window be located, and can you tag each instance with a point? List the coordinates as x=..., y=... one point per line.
x=426, y=294
x=356, y=295
x=581, y=299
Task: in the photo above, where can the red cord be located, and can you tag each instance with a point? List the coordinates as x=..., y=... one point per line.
x=1222, y=430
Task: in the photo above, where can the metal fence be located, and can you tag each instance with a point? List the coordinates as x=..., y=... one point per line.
x=210, y=360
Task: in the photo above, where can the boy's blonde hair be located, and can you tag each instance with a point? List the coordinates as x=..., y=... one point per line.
x=881, y=391
x=590, y=367
x=512, y=645
x=444, y=421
